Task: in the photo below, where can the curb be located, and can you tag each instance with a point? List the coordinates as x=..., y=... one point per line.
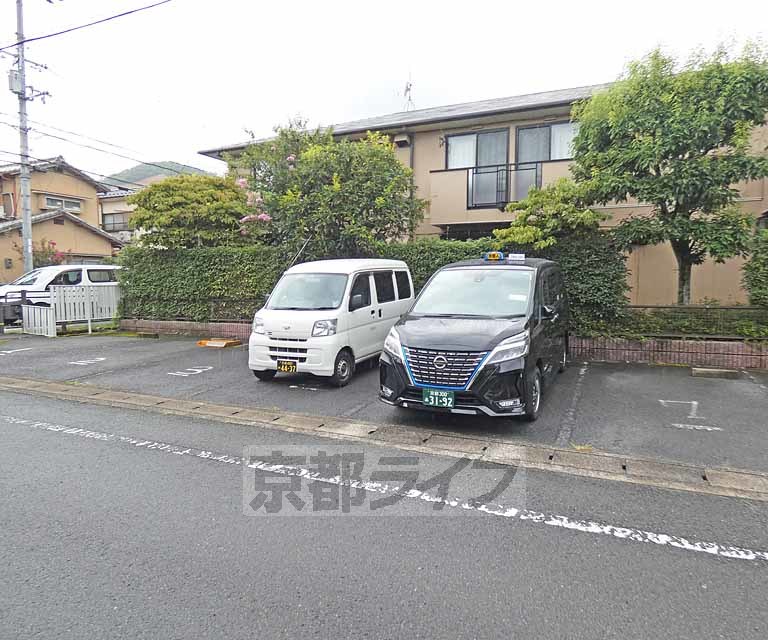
x=594, y=464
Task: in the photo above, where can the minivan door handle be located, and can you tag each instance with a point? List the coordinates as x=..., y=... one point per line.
x=379, y=313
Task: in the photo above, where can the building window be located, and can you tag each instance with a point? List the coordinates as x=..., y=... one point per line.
x=762, y=222
x=115, y=221
x=8, y=209
x=542, y=143
x=73, y=206
x=482, y=149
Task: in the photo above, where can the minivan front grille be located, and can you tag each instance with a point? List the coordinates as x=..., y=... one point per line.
x=456, y=370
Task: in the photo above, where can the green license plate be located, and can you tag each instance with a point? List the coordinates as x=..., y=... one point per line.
x=437, y=398
x=286, y=366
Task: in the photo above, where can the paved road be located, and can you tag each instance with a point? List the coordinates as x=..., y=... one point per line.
x=628, y=409
x=109, y=533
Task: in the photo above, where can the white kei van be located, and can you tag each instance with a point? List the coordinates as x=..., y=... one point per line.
x=37, y=284
x=326, y=317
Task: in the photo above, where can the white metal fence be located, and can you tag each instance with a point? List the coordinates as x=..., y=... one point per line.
x=72, y=304
x=38, y=320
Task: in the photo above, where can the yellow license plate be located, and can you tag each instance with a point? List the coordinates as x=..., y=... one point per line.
x=286, y=366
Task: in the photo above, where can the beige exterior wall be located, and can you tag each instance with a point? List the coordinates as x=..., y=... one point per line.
x=57, y=184
x=69, y=238
x=653, y=270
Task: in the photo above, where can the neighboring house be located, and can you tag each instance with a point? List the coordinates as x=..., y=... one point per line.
x=116, y=213
x=64, y=210
x=79, y=241
x=470, y=160
x=113, y=204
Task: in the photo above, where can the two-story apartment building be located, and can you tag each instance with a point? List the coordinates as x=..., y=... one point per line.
x=470, y=160
x=64, y=211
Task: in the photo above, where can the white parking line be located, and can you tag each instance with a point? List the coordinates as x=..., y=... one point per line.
x=85, y=363
x=8, y=352
x=693, y=403
x=695, y=427
x=192, y=371
x=303, y=387
x=534, y=517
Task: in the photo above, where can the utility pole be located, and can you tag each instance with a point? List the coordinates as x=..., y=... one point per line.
x=21, y=91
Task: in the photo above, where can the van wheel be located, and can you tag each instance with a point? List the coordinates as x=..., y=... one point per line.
x=533, y=395
x=265, y=376
x=343, y=369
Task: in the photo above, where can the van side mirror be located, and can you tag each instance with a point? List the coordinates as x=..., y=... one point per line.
x=548, y=311
x=356, y=302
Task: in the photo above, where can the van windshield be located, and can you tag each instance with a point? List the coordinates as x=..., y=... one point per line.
x=308, y=291
x=28, y=278
x=479, y=292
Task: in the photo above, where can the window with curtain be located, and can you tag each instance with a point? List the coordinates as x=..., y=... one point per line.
x=482, y=149
x=461, y=151
x=561, y=143
x=546, y=142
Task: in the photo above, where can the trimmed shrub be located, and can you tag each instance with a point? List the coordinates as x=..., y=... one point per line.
x=226, y=283
x=208, y=283
x=756, y=271
x=594, y=270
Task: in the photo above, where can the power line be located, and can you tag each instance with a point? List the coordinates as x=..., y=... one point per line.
x=83, y=26
x=88, y=146
x=92, y=173
x=75, y=133
x=37, y=65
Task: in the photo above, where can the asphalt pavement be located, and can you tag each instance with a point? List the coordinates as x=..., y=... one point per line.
x=651, y=411
x=119, y=523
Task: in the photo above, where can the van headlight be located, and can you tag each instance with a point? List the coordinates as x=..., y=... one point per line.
x=511, y=348
x=258, y=326
x=392, y=344
x=324, y=328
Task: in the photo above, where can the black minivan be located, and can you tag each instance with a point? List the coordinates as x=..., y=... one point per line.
x=482, y=338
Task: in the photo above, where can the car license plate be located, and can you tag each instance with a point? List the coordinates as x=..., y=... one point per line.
x=286, y=366
x=437, y=398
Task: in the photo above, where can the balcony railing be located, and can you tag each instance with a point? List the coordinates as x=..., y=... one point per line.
x=497, y=185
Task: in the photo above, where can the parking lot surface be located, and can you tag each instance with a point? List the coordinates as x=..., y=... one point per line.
x=659, y=412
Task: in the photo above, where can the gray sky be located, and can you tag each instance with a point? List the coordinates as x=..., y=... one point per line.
x=194, y=74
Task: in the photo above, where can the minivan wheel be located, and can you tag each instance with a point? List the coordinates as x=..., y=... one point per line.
x=343, y=369
x=265, y=376
x=533, y=395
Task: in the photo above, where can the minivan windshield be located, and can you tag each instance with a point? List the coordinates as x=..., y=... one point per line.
x=28, y=278
x=308, y=291
x=478, y=292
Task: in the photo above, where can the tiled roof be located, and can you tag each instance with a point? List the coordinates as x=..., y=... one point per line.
x=447, y=113
x=50, y=215
x=49, y=164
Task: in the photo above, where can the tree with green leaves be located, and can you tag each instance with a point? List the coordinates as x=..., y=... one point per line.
x=334, y=198
x=547, y=215
x=678, y=138
x=755, y=270
x=190, y=211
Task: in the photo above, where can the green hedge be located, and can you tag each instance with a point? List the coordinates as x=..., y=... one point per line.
x=594, y=270
x=217, y=283
x=756, y=271
x=231, y=282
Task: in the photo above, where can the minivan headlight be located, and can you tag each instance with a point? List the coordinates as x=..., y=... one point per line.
x=324, y=328
x=258, y=326
x=392, y=344
x=510, y=348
